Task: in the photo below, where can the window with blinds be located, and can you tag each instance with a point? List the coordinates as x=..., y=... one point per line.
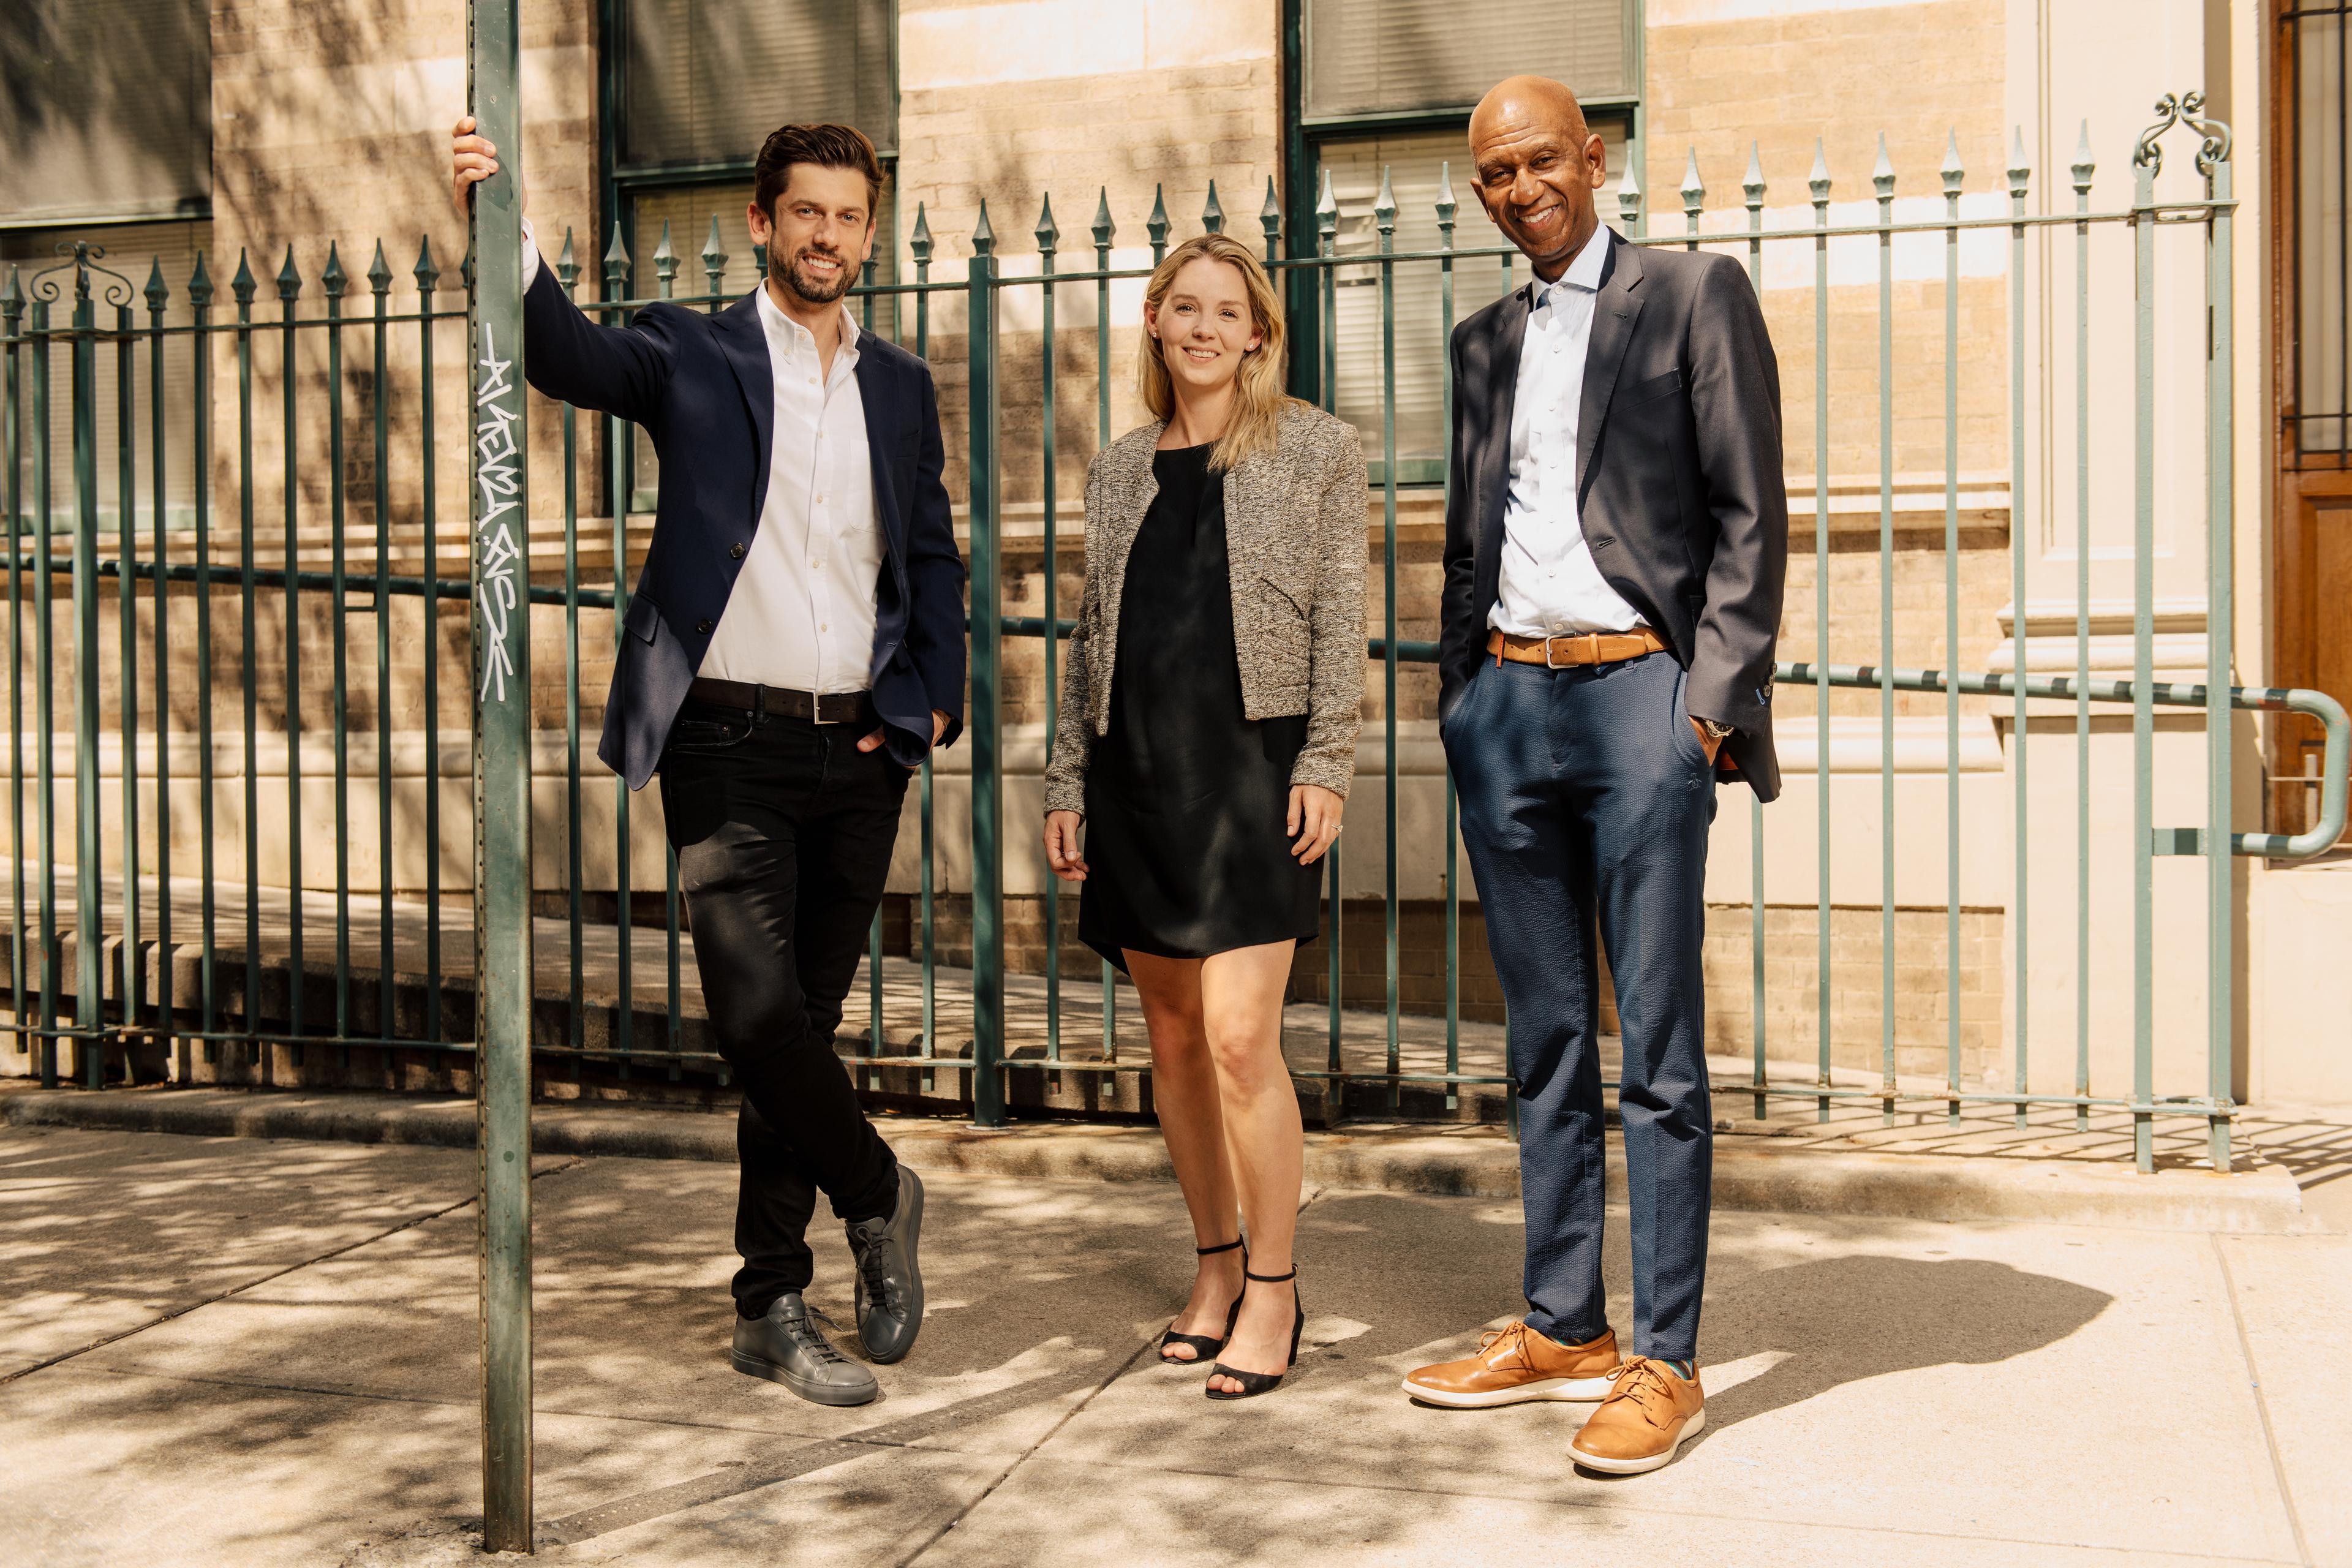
x=1384, y=57
x=709, y=79
x=1414, y=163
x=105, y=108
x=703, y=84
x=132, y=250
x=2323, y=218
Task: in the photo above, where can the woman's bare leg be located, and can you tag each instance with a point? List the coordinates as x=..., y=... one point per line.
x=1184, y=1089
x=1241, y=1012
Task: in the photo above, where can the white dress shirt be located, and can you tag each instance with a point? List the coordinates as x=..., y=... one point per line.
x=802, y=613
x=1551, y=586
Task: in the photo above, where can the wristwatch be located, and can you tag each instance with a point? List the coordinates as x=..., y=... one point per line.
x=1717, y=731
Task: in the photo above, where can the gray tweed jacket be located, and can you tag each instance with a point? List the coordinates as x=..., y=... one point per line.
x=1295, y=537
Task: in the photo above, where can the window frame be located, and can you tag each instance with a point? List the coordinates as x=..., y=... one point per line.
x=1304, y=140
x=197, y=209
x=621, y=181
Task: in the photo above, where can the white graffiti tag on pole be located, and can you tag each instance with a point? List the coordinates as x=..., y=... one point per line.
x=498, y=417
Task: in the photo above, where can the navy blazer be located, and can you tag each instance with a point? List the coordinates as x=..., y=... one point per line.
x=700, y=385
x=1678, y=479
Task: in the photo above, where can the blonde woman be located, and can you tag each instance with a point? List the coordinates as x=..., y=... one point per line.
x=1206, y=742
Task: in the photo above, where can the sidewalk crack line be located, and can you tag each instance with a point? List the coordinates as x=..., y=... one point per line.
x=1022, y=1457
x=2262, y=1401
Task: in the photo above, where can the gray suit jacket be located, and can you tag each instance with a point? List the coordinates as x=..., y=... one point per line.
x=1295, y=544
x=1679, y=485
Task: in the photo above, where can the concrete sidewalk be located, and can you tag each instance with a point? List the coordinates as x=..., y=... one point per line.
x=241, y=1350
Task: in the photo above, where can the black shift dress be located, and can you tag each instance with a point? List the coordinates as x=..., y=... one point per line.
x=1186, y=797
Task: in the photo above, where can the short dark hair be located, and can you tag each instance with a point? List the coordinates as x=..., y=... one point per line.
x=827, y=146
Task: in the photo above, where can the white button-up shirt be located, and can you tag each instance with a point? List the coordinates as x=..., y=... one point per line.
x=1551, y=585
x=802, y=613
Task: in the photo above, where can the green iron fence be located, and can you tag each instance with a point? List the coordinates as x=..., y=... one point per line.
x=274, y=545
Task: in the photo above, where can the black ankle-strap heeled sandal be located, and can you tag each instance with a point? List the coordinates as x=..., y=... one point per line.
x=1256, y=1382
x=1201, y=1346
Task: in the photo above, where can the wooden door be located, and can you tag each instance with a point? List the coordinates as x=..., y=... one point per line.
x=2315, y=624
x=2311, y=257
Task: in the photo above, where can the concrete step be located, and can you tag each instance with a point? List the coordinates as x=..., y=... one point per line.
x=1769, y=1173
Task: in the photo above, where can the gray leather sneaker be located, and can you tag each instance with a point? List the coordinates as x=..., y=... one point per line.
x=787, y=1347
x=890, y=1279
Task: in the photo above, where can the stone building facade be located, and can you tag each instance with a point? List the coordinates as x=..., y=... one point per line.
x=327, y=126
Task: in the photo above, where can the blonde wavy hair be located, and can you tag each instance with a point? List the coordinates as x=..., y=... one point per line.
x=1258, y=400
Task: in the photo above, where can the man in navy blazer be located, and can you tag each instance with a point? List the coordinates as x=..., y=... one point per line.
x=793, y=648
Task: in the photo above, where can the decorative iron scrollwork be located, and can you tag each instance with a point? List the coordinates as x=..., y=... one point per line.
x=82, y=260
x=2184, y=109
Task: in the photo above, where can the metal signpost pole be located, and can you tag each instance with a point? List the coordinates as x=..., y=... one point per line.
x=501, y=672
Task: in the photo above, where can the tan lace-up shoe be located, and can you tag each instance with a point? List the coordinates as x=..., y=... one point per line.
x=1516, y=1365
x=1650, y=1408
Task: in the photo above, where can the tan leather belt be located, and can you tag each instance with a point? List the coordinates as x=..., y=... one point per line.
x=1592, y=647
x=750, y=697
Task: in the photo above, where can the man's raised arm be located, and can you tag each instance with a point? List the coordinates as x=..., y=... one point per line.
x=612, y=370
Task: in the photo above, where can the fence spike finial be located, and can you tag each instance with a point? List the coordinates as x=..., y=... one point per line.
x=1156, y=225
x=714, y=255
x=428, y=272
x=289, y=278
x=379, y=272
x=665, y=255
x=1212, y=211
x=334, y=278
x=919, y=243
x=1693, y=189
x=1384, y=206
x=12, y=299
x=2021, y=172
x=1326, y=219
x=158, y=293
x=1954, y=171
x=1047, y=231
x=567, y=262
x=1882, y=174
x=2085, y=165
x=983, y=233
x=200, y=284
x=1324, y=202
x=1751, y=183
x=1629, y=197
x=1818, y=181
x=1446, y=206
x=1269, y=218
x=243, y=285
x=1103, y=226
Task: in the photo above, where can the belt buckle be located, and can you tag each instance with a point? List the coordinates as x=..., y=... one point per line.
x=1549, y=662
x=816, y=710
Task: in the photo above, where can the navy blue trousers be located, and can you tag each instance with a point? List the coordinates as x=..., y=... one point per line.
x=1586, y=801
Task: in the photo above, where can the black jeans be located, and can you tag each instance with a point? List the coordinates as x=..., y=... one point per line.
x=783, y=830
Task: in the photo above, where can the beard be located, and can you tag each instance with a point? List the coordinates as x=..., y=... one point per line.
x=807, y=285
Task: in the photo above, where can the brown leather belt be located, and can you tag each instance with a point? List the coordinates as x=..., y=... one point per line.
x=750, y=697
x=1592, y=647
